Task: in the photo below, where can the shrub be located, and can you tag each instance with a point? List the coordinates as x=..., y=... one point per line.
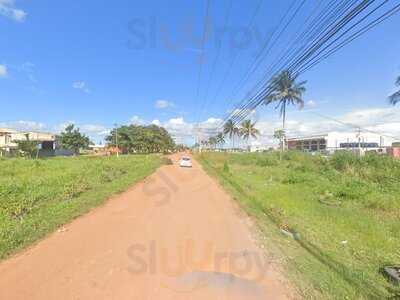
x=225, y=167
x=267, y=161
x=296, y=178
x=166, y=161
x=351, y=190
x=343, y=160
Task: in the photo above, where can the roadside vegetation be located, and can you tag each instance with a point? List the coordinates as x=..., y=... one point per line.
x=38, y=196
x=72, y=139
x=141, y=139
x=333, y=222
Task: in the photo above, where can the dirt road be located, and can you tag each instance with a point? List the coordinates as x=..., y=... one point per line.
x=177, y=235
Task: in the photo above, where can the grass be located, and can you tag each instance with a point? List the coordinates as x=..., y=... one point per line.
x=346, y=211
x=38, y=196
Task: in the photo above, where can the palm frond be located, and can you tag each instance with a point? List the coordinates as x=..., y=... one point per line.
x=395, y=98
x=286, y=91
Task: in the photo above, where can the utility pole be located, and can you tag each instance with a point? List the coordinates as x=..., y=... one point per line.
x=116, y=138
x=198, y=136
x=359, y=141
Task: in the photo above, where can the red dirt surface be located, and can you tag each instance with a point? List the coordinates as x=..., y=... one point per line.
x=176, y=235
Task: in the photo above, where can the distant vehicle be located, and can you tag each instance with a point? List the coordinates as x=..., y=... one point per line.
x=185, y=162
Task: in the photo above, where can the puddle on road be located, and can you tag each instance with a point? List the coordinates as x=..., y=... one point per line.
x=216, y=285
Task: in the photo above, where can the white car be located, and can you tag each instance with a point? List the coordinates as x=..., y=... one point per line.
x=185, y=162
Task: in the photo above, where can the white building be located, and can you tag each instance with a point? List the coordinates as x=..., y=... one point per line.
x=339, y=141
x=9, y=137
x=6, y=138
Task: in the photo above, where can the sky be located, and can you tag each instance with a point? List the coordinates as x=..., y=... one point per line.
x=100, y=63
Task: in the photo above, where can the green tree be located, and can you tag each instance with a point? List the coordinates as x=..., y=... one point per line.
x=248, y=130
x=181, y=147
x=212, y=141
x=71, y=138
x=196, y=146
x=141, y=139
x=279, y=135
x=395, y=98
x=231, y=131
x=220, y=139
x=27, y=147
x=204, y=143
x=285, y=90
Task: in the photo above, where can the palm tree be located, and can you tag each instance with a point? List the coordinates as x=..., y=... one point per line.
x=395, y=98
x=286, y=90
x=280, y=135
x=231, y=130
x=220, y=139
x=248, y=130
x=212, y=141
x=204, y=143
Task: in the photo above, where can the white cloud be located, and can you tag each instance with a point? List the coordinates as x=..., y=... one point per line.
x=8, y=9
x=23, y=125
x=210, y=126
x=81, y=85
x=311, y=104
x=162, y=104
x=136, y=120
x=96, y=132
x=236, y=112
x=185, y=132
x=176, y=122
x=384, y=121
x=95, y=129
x=179, y=129
x=156, y=122
x=3, y=71
x=61, y=127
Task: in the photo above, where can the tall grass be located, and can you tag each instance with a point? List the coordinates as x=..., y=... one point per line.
x=345, y=209
x=37, y=196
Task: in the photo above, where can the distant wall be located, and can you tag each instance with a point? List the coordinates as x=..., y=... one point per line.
x=63, y=152
x=52, y=153
x=394, y=151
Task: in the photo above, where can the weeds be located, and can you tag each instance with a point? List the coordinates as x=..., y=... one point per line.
x=345, y=208
x=37, y=196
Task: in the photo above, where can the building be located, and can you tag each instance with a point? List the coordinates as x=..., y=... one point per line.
x=10, y=137
x=6, y=138
x=394, y=152
x=330, y=142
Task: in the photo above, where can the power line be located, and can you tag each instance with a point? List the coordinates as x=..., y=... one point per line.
x=202, y=49
x=305, y=31
x=203, y=41
x=307, y=56
x=267, y=43
x=356, y=126
x=354, y=36
x=236, y=55
x=228, y=14
x=316, y=34
x=262, y=55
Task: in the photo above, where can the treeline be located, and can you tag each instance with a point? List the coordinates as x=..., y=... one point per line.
x=141, y=139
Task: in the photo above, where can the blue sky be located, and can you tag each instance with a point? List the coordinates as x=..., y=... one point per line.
x=97, y=63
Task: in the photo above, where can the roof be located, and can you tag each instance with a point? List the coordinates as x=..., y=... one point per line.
x=311, y=137
x=7, y=130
